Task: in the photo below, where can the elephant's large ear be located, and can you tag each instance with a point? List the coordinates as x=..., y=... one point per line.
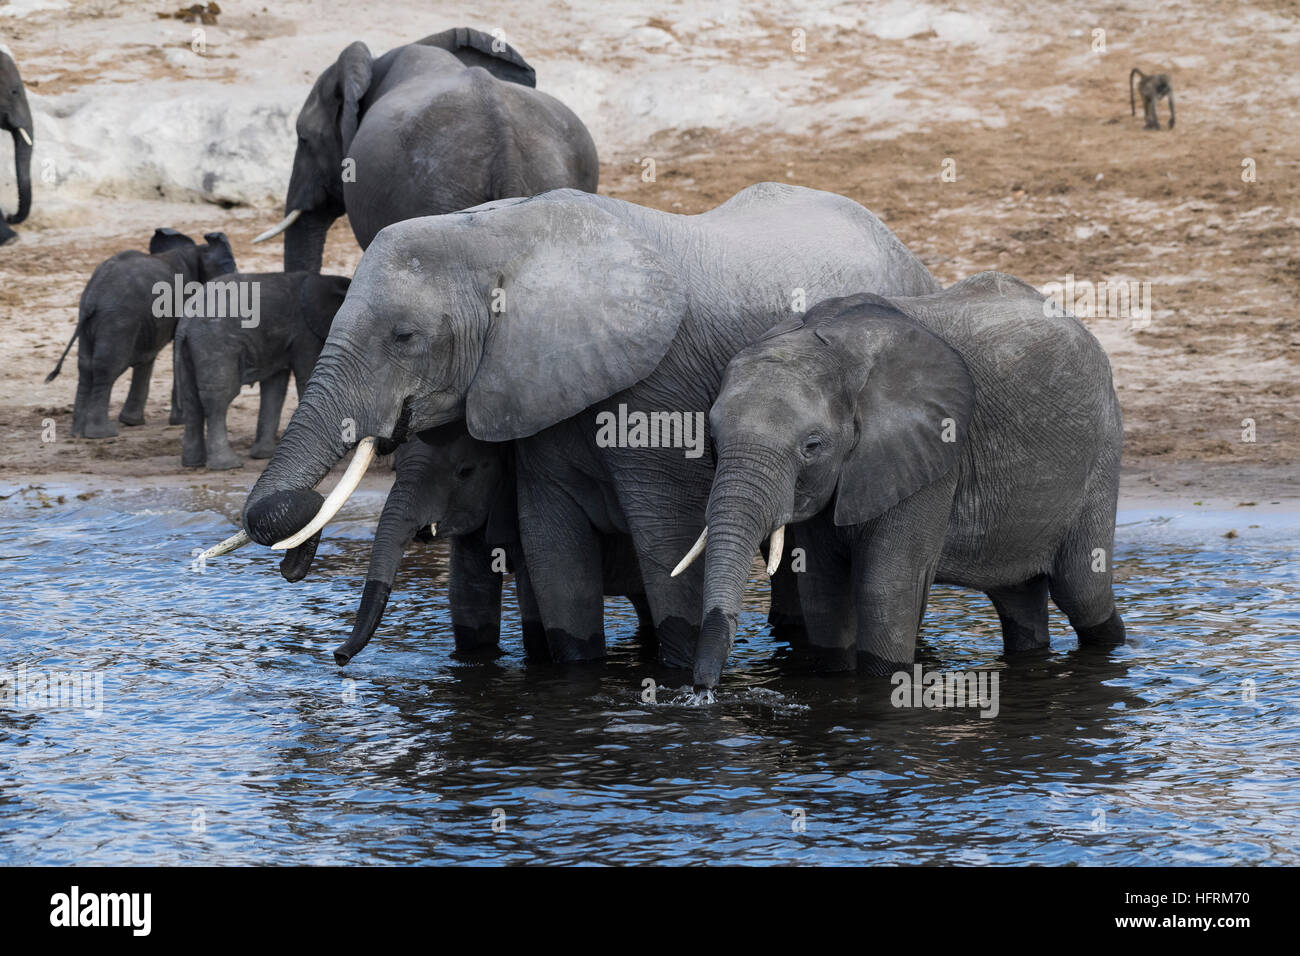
x=476, y=48
x=354, y=67
x=586, y=310
x=912, y=411
x=164, y=239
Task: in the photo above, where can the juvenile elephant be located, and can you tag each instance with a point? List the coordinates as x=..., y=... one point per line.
x=541, y=320
x=442, y=124
x=970, y=437
x=16, y=119
x=465, y=489
x=265, y=325
x=128, y=312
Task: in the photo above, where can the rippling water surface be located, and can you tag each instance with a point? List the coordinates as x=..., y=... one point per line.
x=228, y=735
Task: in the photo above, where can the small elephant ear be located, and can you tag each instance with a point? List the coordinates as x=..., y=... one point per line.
x=164, y=239
x=912, y=413
x=222, y=256
x=354, y=66
x=587, y=308
x=319, y=300
x=476, y=48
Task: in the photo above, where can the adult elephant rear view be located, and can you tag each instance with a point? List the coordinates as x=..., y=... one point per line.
x=432, y=127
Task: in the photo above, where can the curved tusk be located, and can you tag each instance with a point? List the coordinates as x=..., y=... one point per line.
x=337, y=498
x=233, y=543
x=274, y=231
x=774, y=549
x=27, y=137
x=433, y=529
x=696, y=550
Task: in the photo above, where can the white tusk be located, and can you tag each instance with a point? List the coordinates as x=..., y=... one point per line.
x=774, y=549
x=337, y=498
x=696, y=550
x=233, y=543
x=433, y=529
x=27, y=137
x=274, y=231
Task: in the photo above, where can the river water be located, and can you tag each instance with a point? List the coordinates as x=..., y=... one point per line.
x=221, y=731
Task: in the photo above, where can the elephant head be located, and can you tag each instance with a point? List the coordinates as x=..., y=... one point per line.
x=848, y=408
x=16, y=118
x=448, y=484
x=213, y=259
x=512, y=316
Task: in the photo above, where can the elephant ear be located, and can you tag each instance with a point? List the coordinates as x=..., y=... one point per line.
x=354, y=69
x=476, y=48
x=319, y=299
x=912, y=412
x=219, y=257
x=587, y=309
x=165, y=239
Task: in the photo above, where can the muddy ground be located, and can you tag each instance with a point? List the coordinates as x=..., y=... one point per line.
x=1053, y=178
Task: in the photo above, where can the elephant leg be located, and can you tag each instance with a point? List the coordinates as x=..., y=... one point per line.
x=1081, y=580
x=645, y=619
x=132, y=412
x=81, y=403
x=1022, y=609
x=194, y=452
x=175, y=416
x=474, y=593
x=103, y=373
x=220, y=456
x=562, y=552
x=530, y=616
x=894, y=563
x=271, y=392
x=785, y=612
x=826, y=591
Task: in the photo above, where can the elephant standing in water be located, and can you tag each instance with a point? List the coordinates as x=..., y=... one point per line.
x=127, y=314
x=538, y=319
x=435, y=126
x=465, y=489
x=969, y=437
x=16, y=119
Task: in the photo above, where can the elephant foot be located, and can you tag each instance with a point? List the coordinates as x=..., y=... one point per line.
x=568, y=649
x=131, y=419
x=106, y=430
x=261, y=451
x=536, y=650
x=224, y=461
x=175, y=419
x=193, y=461
x=831, y=660
x=1108, y=633
x=877, y=666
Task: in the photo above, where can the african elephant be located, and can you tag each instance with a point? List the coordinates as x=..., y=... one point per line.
x=128, y=313
x=442, y=124
x=969, y=437
x=465, y=489
x=556, y=320
x=16, y=119
x=256, y=327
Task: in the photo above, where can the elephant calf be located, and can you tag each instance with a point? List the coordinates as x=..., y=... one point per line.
x=970, y=436
x=255, y=327
x=128, y=312
x=465, y=488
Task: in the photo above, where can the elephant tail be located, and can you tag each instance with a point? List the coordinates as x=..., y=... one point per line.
x=82, y=316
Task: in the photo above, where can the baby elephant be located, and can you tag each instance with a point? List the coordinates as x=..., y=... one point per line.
x=128, y=312
x=970, y=437
x=466, y=489
x=255, y=327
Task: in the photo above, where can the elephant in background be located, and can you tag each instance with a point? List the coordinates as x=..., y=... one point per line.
x=128, y=313
x=968, y=437
x=215, y=354
x=435, y=126
x=465, y=489
x=16, y=119
x=608, y=307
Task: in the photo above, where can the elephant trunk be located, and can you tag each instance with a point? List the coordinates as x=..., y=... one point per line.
x=23, y=173
x=304, y=240
x=751, y=499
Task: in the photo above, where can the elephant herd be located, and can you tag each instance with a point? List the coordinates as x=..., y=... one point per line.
x=596, y=395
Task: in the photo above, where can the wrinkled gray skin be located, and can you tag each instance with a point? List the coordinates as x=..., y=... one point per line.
x=16, y=115
x=434, y=126
x=838, y=421
x=214, y=356
x=118, y=328
x=467, y=488
x=604, y=302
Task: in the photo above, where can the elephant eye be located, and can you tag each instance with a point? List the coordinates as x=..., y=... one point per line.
x=812, y=445
x=402, y=336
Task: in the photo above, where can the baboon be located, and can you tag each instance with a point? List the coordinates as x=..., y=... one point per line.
x=1151, y=88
